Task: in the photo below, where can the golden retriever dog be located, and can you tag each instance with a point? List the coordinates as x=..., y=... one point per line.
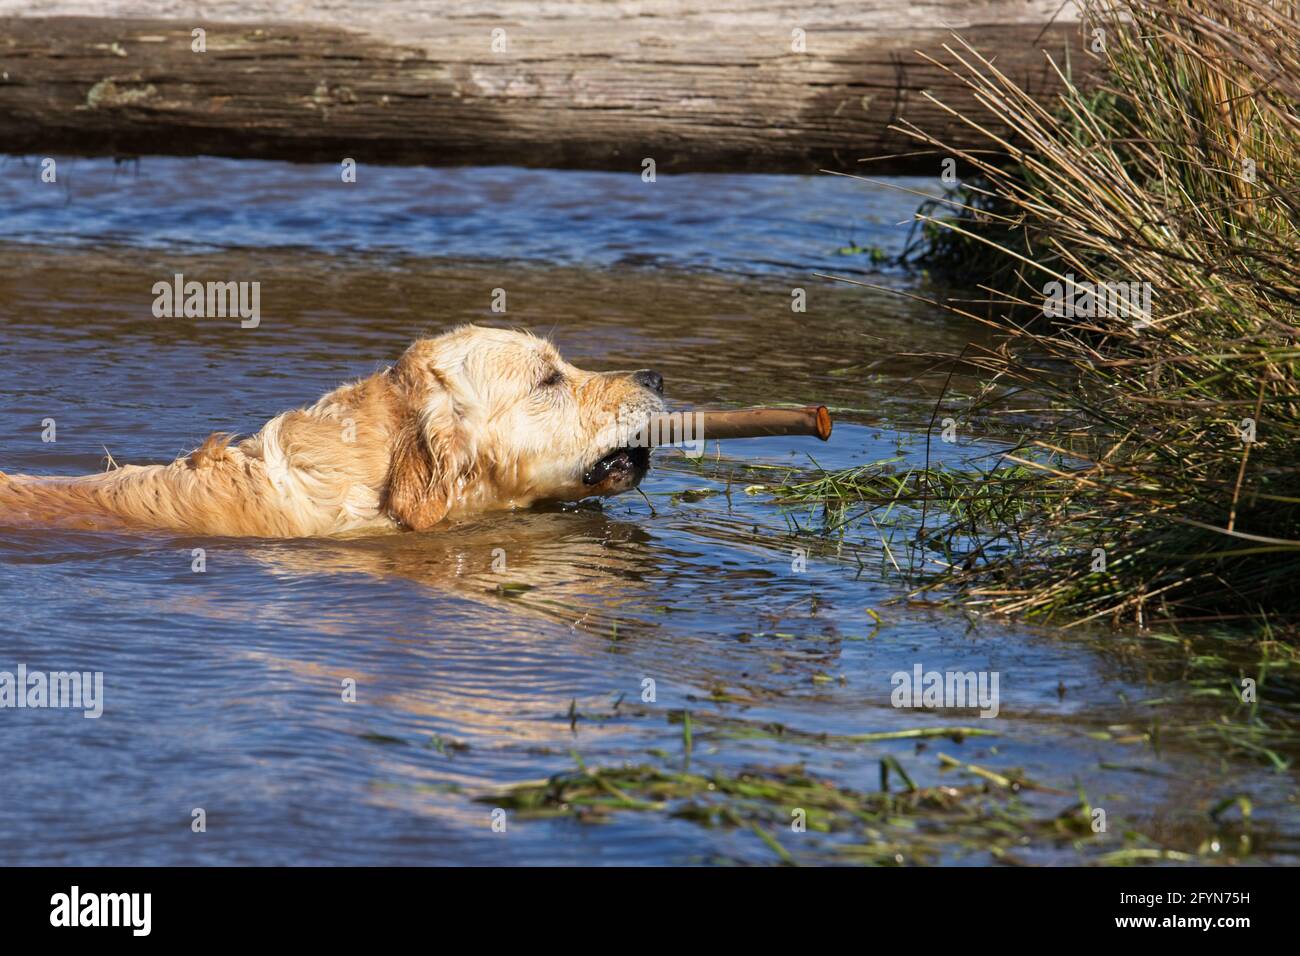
x=474, y=420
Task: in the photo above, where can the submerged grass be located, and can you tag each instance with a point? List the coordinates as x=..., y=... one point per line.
x=781, y=805
x=1141, y=246
x=1252, y=689
x=1245, y=682
x=799, y=816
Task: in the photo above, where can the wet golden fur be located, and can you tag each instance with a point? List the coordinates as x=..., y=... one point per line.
x=473, y=420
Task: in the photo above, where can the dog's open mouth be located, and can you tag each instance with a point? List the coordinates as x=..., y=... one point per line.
x=621, y=466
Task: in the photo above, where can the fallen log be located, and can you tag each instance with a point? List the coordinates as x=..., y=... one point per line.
x=745, y=85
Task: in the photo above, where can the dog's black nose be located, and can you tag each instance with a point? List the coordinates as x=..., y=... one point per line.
x=650, y=379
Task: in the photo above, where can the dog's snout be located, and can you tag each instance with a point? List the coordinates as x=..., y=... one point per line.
x=649, y=379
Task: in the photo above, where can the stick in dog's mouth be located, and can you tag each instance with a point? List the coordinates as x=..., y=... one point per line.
x=680, y=428
x=627, y=464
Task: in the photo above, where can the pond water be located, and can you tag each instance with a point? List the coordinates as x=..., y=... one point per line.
x=222, y=689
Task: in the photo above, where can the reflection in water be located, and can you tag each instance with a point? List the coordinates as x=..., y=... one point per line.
x=580, y=561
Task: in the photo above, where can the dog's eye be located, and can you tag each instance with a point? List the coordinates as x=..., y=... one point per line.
x=556, y=377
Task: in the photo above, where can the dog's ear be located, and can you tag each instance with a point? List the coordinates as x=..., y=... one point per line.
x=432, y=462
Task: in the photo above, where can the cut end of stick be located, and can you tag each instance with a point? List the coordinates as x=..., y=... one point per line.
x=824, y=423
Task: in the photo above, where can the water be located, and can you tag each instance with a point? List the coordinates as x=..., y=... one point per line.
x=739, y=223
x=223, y=689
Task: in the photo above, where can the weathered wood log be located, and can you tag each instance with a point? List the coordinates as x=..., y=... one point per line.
x=576, y=84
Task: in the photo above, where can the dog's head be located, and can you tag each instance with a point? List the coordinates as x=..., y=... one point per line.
x=494, y=418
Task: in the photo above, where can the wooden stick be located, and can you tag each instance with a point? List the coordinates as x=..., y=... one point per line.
x=690, y=427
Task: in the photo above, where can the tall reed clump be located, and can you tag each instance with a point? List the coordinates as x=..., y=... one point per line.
x=1175, y=473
